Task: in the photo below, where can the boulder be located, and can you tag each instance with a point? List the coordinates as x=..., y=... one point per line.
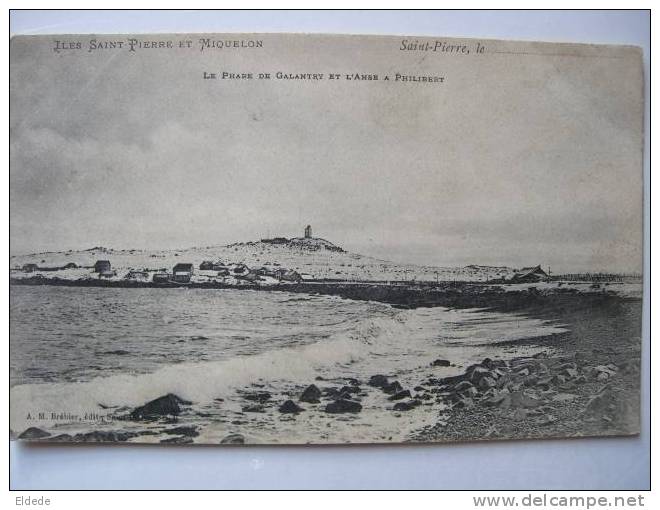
x=103, y=436
x=378, y=381
x=167, y=405
x=406, y=406
x=419, y=388
x=349, y=389
x=477, y=373
x=182, y=431
x=343, y=406
x=392, y=388
x=400, y=395
x=486, y=383
x=233, y=439
x=290, y=407
x=311, y=394
x=34, y=433
x=440, y=363
x=488, y=363
x=177, y=440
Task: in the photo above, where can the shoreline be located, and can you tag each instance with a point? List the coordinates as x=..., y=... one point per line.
x=589, y=388
x=406, y=295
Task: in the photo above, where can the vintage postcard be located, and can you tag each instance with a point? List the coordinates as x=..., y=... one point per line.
x=279, y=239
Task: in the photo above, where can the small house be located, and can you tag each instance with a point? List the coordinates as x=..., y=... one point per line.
x=288, y=275
x=240, y=270
x=263, y=271
x=70, y=265
x=207, y=265
x=30, y=268
x=530, y=275
x=161, y=277
x=102, y=266
x=182, y=272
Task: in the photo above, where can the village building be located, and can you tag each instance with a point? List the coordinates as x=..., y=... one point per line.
x=530, y=275
x=161, y=277
x=240, y=270
x=182, y=272
x=308, y=231
x=288, y=275
x=30, y=268
x=207, y=265
x=101, y=266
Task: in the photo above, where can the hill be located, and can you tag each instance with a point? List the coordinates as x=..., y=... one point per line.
x=316, y=257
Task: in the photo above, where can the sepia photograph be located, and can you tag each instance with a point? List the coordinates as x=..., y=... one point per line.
x=239, y=239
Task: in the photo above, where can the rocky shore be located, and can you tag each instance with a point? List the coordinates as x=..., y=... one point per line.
x=591, y=387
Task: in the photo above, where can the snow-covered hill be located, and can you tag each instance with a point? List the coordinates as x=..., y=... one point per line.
x=311, y=256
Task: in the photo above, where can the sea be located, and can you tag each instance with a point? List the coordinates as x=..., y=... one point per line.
x=82, y=358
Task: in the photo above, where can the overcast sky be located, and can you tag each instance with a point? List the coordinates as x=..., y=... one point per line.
x=513, y=160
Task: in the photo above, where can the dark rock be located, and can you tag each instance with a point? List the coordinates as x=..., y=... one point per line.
x=182, y=431
x=399, y=395
x=258, y=396
x=486, y=383
x=440, y=363
x=477, y=373
x=353, y=382
x=419, y=388
x=349, y=389
x=343, y=406
x=100, y=436
x=311, y=394
x=406, y=406
x=392, y=388
x=162, y=406
x=34, y=433
x=290, y=407
x=378, y=381
x=177, y=440
x=233, y=439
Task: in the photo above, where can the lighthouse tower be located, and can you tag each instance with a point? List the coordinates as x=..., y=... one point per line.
x=308, y=231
